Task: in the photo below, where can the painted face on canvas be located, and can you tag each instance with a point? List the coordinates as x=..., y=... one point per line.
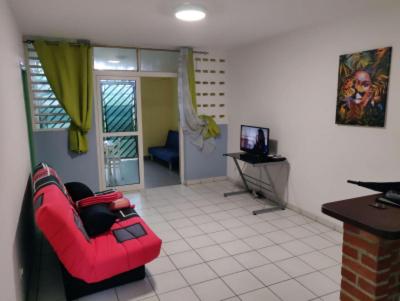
x=362, y=81
x=362, y=85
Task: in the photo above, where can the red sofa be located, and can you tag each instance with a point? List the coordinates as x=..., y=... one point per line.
x=90, y=264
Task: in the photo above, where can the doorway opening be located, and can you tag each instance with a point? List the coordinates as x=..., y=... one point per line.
x=161, y=147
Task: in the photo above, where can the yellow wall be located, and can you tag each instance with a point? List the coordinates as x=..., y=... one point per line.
x=159, y=110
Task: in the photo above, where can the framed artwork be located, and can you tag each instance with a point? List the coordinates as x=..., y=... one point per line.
x=363, y=87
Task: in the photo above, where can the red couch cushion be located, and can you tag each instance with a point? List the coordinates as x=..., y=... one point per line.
x=89, y=259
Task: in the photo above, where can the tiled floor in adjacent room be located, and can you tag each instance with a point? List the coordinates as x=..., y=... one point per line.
x=215, y=249
x=157, y=174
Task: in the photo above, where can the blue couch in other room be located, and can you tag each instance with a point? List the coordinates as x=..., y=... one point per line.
x=169, y=152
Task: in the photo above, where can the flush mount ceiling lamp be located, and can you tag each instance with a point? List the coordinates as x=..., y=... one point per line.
x=190, y=13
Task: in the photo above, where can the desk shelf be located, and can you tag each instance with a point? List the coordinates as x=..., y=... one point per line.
x=248, y=179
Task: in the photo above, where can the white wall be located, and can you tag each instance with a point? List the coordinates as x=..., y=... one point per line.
x=14, y=150
x=289, y=84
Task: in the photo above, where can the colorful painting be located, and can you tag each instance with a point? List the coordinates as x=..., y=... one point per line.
x=363, y=87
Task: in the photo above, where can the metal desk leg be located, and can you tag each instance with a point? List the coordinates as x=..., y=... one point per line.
x=247, y=189
x=275, y=194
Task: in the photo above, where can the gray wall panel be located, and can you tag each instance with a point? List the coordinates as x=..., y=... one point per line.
x=52, y=147
x=200, y=165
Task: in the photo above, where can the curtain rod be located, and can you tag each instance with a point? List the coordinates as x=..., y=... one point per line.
x=29, y=41
x=73, y=42
x=147, y=48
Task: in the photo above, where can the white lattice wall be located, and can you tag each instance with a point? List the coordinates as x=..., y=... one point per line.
x=210, y=74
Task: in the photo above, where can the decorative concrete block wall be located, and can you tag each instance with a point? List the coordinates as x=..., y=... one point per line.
x=210, y=74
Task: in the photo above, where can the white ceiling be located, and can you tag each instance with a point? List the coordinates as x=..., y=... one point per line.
x=150, y=23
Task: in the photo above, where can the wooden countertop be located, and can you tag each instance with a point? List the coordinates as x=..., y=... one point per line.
x=384, y=223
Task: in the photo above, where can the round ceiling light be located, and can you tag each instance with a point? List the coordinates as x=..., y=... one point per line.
x=190, y=13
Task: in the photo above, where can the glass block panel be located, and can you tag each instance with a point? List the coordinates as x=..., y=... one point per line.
x=121, y=161
x=107, y=58
x=158, y=60
x=118, y=99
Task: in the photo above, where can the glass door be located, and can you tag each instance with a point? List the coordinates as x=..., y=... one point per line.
x=119, y=130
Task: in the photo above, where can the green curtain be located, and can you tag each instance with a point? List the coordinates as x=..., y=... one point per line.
x=68, y=68
x=213, y=129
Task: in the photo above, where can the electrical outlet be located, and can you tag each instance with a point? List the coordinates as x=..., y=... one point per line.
x=21, y=273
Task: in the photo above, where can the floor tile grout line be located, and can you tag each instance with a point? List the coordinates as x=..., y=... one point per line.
x=249, y=270
x=211, y=269
x=214, y=216
x=184, y=278
x=329, y=293
x=252, y=249
x=226, y=229
x=116, y=294
x=257, y=249
x=306, y=288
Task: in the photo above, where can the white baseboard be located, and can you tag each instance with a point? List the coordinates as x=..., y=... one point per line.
x=314, y=217
x=237, y=181
x=205, y=180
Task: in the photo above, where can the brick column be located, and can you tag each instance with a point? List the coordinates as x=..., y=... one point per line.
x=370, y=267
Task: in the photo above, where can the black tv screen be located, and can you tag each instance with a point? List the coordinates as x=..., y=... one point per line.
x=254, y=139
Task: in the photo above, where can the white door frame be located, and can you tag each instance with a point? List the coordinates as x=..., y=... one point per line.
x=97, y=105
x=100, y=135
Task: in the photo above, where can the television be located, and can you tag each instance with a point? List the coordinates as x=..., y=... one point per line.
x=254, y=140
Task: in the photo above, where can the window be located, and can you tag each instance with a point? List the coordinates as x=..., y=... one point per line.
x=158, y=60
x=109, y=58
x=126, y=59
x=47, y=112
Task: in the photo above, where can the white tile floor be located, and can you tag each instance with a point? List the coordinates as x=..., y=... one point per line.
x=215, y=249
x=157, y=174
